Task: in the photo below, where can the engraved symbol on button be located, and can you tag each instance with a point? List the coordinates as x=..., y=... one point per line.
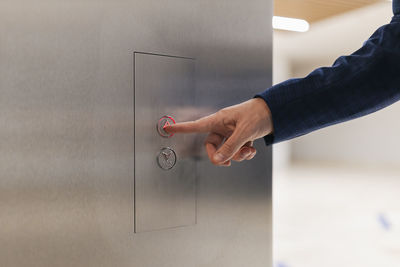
x=166, y=158
x=164, y=122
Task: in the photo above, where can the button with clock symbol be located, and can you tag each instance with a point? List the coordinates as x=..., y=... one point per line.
x=166, y=158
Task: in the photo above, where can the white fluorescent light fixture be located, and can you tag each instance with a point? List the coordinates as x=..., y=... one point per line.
x=290, y=24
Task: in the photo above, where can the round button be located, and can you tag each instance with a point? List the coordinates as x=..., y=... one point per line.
x=166, y=158
x=162, y=123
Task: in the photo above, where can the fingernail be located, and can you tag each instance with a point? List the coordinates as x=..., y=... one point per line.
x=218, y=157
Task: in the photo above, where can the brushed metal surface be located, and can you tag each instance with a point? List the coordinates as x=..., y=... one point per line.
x=164, y=85
x=67, y=128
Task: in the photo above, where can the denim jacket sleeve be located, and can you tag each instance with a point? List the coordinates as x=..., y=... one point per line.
x=356, y=85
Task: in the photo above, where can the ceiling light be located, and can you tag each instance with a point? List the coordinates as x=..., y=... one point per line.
x=290, y=24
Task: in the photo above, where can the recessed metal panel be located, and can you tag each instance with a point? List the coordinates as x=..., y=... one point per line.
x=165, y=173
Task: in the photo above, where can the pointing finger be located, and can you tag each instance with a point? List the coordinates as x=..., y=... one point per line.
x=202, y=125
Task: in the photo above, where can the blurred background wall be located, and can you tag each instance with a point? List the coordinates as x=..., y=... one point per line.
x=337, y=190
x=370, y=140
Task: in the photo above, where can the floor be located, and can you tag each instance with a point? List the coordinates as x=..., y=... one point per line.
x=331, y=215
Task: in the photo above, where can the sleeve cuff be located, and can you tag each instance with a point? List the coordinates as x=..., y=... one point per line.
x=268, y=139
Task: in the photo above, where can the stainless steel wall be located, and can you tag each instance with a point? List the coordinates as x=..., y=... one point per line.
x=67, y=131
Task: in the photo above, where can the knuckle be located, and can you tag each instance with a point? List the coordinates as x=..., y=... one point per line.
x=222, y=112
x=239, y=159
x=228, y=147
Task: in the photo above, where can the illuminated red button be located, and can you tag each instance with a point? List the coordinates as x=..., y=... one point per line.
x=164, y=122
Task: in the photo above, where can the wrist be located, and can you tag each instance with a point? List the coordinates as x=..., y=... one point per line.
x=265, y=116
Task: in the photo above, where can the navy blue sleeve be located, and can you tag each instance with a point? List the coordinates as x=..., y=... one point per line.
x=396, y=7
x=356, y=85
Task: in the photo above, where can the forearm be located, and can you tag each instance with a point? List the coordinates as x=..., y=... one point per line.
x=355, y=85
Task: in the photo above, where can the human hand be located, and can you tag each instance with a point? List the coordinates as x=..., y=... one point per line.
x=232, y=130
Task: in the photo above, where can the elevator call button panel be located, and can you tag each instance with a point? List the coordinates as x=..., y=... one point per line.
x=165, y=167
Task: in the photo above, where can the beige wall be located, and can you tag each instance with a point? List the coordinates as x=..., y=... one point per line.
x=374, y=139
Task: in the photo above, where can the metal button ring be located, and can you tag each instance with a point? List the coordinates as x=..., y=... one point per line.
x=162, y=123
x=166, y=158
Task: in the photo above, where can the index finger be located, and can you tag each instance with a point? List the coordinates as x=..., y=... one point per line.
x=202, y=125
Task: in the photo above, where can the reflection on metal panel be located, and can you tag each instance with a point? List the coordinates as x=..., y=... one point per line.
x=67, y=160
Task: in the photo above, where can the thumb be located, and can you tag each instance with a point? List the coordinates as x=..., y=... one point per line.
x=229, y=148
